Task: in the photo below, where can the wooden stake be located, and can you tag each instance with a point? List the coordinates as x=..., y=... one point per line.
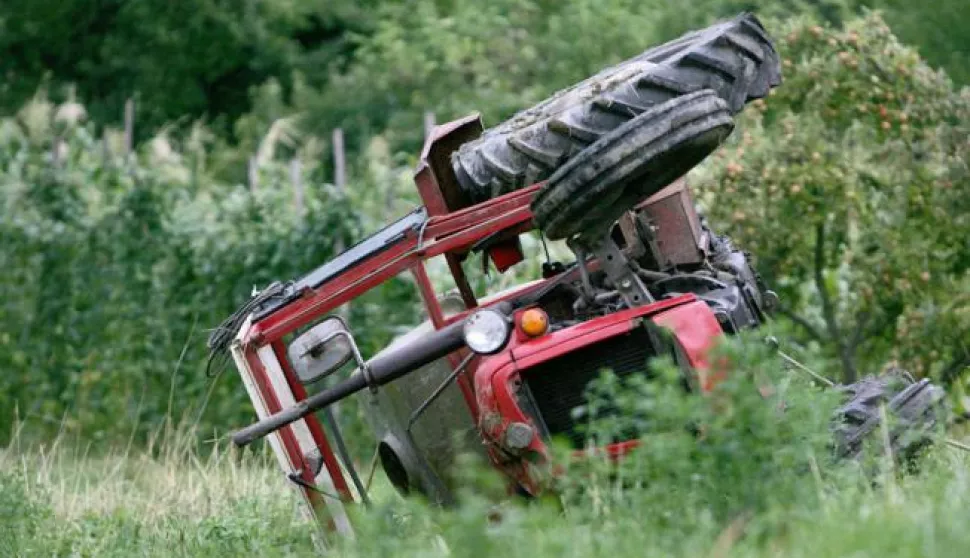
x=340, y=182
x=253, y=174
x=339, y=160
x=129, y=126
x=428, y=123
x=56, y=152
x=105, y=148
x=296, y=177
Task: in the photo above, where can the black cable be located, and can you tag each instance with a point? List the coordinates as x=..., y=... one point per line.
x=338, y=440
x=220, y=338
x=545, y=247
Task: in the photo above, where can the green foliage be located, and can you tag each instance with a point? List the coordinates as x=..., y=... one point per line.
x=937, y=30
x=367, y=65
x=461, y=56
x=21, y=516
x=746, y=447
x=113, y=271
x=849, y=187
x=132, y=504
x=916, y=516
x=742, y=471
x=444, y=56
x=193, y=58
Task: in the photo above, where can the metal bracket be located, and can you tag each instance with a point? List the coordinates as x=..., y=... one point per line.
x=646, y=229
x=618, y=269
x=589, y=294
x=296, y=477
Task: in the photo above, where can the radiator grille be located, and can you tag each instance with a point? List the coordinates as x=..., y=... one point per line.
x=558, y=386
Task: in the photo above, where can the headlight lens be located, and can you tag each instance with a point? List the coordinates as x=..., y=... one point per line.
x=486, y=331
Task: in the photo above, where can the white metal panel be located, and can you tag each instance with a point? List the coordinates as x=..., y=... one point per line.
x=304, y=439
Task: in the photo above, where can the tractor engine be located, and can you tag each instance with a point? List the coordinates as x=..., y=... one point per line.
x=672, y=251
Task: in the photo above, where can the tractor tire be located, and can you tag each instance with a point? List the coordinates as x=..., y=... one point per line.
x=735, y=58
x=593, y=189
x=914, y=409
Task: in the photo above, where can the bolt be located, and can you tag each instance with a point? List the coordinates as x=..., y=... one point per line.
x=518, y=436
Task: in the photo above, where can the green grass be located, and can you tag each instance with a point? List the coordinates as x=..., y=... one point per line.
x=167, y=501
x=756, y=480
x=55, y=503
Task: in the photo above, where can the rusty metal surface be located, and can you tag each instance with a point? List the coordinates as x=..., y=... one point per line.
x=434, y=176
x=676, y=226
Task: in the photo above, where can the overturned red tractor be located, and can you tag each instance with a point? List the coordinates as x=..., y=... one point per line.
x=600, y=166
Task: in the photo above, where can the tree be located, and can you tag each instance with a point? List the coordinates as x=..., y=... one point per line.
x=850, y=184
x=182, y=60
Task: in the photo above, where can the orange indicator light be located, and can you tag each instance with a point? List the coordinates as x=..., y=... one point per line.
x=534, y=322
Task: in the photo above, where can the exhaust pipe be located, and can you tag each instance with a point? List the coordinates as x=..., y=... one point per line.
x=379, y=371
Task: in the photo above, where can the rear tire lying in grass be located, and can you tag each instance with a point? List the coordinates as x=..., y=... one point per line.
x=914, y=411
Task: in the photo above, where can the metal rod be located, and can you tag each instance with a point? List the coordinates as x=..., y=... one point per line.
x=381, y=370
x=818, y=377
x=589, y=295
x=955, y=444
x=438, y=391
x=373, y=466
x=338, y=439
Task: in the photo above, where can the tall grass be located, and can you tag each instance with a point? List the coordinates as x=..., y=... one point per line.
x=752, y=477
x=58, y=502
x=166, y=499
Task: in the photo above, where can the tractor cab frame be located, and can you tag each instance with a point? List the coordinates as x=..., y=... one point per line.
x=503, y=406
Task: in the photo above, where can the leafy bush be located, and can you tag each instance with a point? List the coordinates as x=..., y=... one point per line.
x=848, y=184
x=195, y=59
x=747, y=447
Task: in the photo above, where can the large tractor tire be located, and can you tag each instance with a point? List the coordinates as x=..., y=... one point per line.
x=914, y=410
x=734, y=58
x=593, y=189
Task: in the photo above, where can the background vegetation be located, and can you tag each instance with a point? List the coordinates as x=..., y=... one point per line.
x=849, y=185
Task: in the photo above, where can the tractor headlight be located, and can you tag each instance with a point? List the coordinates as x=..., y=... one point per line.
x=486, y=331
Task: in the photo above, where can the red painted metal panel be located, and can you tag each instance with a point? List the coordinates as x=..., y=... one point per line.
x=431, y=304
x=497, y=378
x=567, y=340
x=430, y=191
x=448, y=233
x=444, y=225
x=697, y=331
x=316, y=429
